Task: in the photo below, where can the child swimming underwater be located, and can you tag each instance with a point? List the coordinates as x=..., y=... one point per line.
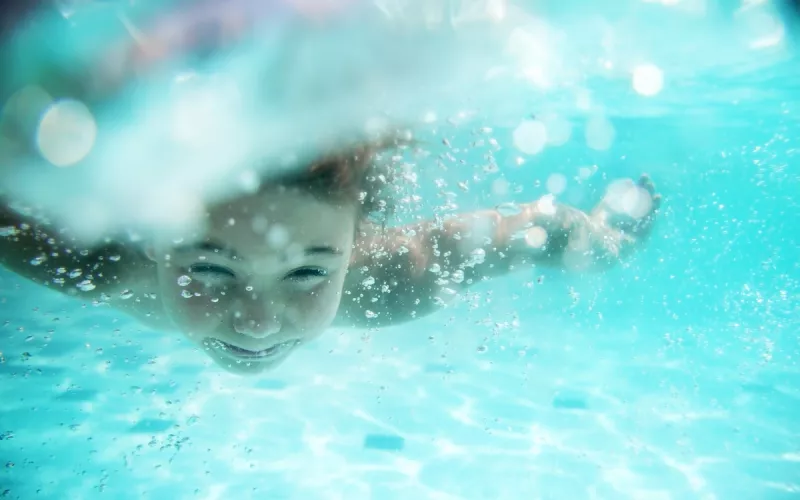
x=274, y=269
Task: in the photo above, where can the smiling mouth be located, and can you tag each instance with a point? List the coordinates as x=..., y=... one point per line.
x=246, y=354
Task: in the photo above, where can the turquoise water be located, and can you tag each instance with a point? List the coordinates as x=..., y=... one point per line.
x=673, y=377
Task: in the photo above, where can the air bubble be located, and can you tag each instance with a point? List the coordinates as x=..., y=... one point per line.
x=547, y=204
x=500, y=187
x=38, y=261
x=86, y=286
x=435, y=269
x=75, y=273
x=249, y=181
x=530, y=137
x=457, y=276
x=509, y=209
x=370, y=314
x=628, y=198
x=368, y=282
x=259, y=224
x=184, y=280
x=648, y=80
x=478, y=256
x=586, y=172
x=559, y=129
x=600, y=133
x=125, y=294
x=278, y=237
x=66, y=133
x=115, y=258
x=186, y=294
x=556, y=183
x=536, y=237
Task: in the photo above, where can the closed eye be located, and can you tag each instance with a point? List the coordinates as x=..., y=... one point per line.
x=211, y=270
x=306, y=273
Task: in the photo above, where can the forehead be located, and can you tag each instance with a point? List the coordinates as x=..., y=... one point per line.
x=276, y=217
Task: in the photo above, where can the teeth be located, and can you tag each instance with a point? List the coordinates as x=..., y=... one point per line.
x=232, y=349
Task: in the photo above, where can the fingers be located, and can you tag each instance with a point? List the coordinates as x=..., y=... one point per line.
x=646, y=183
x=656, y=202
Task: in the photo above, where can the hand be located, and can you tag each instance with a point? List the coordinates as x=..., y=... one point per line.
x=552, y=233
x=624, y=218
x=629, y=207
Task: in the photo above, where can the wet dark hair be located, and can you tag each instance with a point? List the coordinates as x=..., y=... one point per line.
x=364, y=175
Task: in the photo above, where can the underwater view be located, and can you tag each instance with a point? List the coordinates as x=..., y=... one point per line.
x=394, y=249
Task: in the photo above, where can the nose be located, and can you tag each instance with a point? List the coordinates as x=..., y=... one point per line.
x=257, y=319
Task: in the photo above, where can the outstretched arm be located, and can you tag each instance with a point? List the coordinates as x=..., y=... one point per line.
x=408, y=272
x=50, y=257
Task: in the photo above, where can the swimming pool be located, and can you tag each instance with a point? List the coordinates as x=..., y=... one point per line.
x=674, y=377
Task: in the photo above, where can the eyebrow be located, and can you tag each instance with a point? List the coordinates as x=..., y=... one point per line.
x=210, y=247
x=322, y=249
x=220, y=248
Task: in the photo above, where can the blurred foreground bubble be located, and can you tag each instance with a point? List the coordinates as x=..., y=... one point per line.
x=556, y=183
x=536, y=237
x=546, y=204
x=559, y=129
x=530, y=137
x=66, y=133
x=600, y=133
x=626, y=197
x=648, y=79
x=23, y=110
x=760, y=23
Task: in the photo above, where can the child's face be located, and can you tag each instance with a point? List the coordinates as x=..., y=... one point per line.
x=266, y=275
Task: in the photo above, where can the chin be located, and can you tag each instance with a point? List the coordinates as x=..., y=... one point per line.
x=244, y=368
